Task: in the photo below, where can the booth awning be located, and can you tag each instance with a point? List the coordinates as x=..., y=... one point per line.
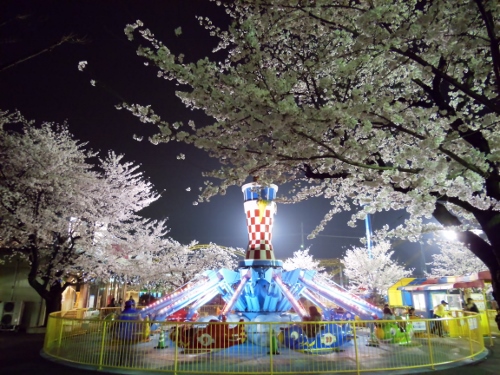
x=394, y=294
x=469, y=284
x=475, y=280
x=443, y=286
x=484, y=275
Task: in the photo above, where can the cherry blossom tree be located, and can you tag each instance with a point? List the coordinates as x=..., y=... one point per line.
x=373, y=271
x=185, y=265
x=56, y=204
x=137, y=251
x=454, y=259
x=302, y=259
x=384, y=105
x=140, y=252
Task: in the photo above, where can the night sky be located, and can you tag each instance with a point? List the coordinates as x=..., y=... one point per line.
x=51, y=88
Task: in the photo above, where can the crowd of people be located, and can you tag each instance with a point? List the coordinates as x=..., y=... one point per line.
x=439, y=311
x=120, y=304
x=113, y=303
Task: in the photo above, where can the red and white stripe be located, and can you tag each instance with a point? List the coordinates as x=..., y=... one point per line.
x=259, y=231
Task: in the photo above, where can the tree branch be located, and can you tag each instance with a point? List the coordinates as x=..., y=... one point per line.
x=480, y=98
x=65, y=39
x=489, y=23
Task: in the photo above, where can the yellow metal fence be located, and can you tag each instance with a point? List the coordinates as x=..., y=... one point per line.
x=259, y=346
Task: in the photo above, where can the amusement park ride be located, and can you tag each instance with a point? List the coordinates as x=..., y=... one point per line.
x=260, y=291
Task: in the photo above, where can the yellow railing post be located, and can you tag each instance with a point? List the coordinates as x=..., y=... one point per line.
x=270, y=349
x=431, y=355
x=356, y=353
x=490, y=334
x=176, y=343
x=101, y=353
x=61, y=325
x=470, y=335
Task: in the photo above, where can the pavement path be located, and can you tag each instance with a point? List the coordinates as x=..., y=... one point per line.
x=20, y=355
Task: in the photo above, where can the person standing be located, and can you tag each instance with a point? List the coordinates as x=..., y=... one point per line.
x=314, y=314
x=411, y=313
x=311, y=329
x=388, y=314
x=132, y=301
x=386, y=306
x=439, y=313
x=471, y=306
x=130, y=324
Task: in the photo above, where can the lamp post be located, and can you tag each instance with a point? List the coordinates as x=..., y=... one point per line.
x=368, y=226
x=422, y=253
x=301, y=236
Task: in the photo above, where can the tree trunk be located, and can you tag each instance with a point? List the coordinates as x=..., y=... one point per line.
x=495, y=281
x=53, y=304
x=489, y=253
x=52, y=297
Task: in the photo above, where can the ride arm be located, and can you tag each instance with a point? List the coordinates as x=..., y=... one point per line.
x=200, y=302
x=237, y=292
x=342, y=298
x=293, y=301
x=183, y=296
x=315, y=300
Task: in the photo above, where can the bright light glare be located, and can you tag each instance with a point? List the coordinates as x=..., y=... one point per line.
x=450, y=235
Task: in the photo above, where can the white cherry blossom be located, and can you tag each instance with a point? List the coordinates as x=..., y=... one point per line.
x=382, y=104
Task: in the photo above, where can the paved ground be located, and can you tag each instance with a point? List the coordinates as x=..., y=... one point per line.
x=20, y=355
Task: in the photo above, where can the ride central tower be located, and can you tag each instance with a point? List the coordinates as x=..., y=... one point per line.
x=260, y=209
x=260, y=287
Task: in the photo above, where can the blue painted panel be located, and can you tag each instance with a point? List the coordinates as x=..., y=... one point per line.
x=250, y=194
x=290, y=277
x=406, y=297
x=428, y=301
x=267, y=193
x=265, y=306
x=252, y=303
x=284, y=305
x=273, y=303
x=255, y=304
